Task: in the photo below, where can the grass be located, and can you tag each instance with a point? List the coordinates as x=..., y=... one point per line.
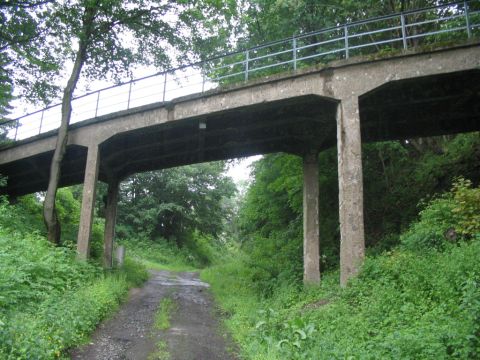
x=49, y=302
x=164, y=313
x=403, y=305
x=160, y=255
x=173, y=266
x=166, y=307
x=161, y=352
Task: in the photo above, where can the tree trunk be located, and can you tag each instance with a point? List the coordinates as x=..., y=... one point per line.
x=49, y=211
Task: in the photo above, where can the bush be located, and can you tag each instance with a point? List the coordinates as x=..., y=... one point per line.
x=60, y=322
x=403, y=305
x=135, y=273
x=32, y=269
x=159, y=253
x=457, y=212
x=48, y=300
x=467, y=207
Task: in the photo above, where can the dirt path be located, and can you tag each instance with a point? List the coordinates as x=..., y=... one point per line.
x=194, y=333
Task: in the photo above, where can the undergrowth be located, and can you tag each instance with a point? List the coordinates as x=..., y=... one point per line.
x=49, y=302
x=161, y=255
x=420, y=300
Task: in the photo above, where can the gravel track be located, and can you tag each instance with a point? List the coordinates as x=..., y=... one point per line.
x=194, y=334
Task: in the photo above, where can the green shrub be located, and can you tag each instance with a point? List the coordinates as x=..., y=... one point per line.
x=457, y=211
x=467, y=207
x=31, y=269
x=48, y=300
x=160, y=253
x=403, y=305
x=135, y=272
x=60, y=322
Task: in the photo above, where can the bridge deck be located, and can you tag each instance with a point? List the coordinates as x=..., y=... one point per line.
x=402, y=97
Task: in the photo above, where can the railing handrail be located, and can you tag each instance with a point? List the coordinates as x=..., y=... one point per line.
x=294, y=37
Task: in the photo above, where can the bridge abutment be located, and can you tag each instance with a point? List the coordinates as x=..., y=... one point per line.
x=88, y=202
x=110, y=219
x=311, y=233
x=350, y=186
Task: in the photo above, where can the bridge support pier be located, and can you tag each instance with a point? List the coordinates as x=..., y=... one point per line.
x=350, y=186
x=110, y=218
x=88, y=203
x=311, y=236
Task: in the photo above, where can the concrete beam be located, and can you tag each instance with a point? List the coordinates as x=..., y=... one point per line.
x=110, y=218
x=88, y=203
x=311, y=247
x=350, y=186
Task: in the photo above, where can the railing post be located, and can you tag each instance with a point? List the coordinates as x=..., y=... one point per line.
x=96, y=107
x=345, y=31
x=467, y=19
x=247, y=57
x=164, y=86
x=129, y=94
x=41, y=122
x=16, y=130
x=404, y=31
x=294, y=48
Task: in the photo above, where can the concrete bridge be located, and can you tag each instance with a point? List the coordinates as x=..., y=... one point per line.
x=350, y=101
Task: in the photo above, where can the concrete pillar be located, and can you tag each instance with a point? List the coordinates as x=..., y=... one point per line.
x=88, y=203
x=311, y=250
x=110, y=218
x=120, y=256
x=350, y=185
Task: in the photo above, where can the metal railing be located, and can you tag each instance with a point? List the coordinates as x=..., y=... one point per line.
x=387, y=34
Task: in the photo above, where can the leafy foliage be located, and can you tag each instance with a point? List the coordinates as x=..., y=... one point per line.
x=48, y=300
x=25, y=218
x=447, y=218
x=198, y=251
x=404, y=304
x=26, y=64
x=397, y=176
x=174, y=203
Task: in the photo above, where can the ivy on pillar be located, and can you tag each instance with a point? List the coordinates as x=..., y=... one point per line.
x=350, y=185
x=110, y=218
x=88, y=203
x=311, y=249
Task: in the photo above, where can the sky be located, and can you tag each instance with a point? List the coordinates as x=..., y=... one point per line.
x=240, y=171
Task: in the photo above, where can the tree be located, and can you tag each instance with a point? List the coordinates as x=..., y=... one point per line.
x=173, y=203
x=26, y=64
x=109, y=37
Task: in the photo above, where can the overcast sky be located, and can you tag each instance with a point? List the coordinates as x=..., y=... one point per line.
x=240, y=171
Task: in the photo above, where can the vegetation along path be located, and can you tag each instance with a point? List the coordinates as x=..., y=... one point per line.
x=171, y=317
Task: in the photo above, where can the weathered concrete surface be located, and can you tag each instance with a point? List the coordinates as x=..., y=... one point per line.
x=110, y=219
x=269, y=115
x=406, y=96
x=350, y=187
x=88, y=202
x=311, y=234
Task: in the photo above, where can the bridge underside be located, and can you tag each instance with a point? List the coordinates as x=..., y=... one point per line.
x=414, y=95
x=290, y=126
x=421, y=107
x=425, y=106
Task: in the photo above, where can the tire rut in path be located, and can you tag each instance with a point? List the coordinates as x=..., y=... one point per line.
x=194, y=333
